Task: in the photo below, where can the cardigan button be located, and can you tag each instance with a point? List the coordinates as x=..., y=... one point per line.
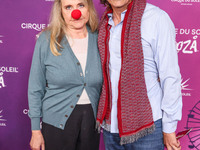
x=85, y=84
x=72, y=106
x=78, y=95
x=66, y=116
x=78, y=63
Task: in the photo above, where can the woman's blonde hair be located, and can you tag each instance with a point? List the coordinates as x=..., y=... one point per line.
x=57, y=24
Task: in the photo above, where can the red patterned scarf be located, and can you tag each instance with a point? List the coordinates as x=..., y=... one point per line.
x=134, y=111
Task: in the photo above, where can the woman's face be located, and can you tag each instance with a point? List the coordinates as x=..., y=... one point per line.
x=68, y=6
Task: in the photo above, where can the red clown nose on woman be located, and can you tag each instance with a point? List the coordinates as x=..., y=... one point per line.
x=76, y=14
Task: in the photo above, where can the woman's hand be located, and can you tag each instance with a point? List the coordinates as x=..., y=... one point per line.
x=37, y=140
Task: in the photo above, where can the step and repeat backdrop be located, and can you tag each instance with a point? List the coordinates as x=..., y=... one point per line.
x=20, y=23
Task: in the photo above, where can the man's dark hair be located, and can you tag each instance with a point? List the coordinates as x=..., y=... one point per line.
x=105, y=2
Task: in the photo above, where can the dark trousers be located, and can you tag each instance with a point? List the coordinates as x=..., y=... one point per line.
x=79, y=132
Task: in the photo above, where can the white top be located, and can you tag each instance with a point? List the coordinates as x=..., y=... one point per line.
x=80, y=47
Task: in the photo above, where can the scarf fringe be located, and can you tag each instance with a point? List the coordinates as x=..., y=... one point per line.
x=103, y=125
x=135, y=137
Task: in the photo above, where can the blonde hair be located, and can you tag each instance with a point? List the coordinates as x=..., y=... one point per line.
x=57, y=24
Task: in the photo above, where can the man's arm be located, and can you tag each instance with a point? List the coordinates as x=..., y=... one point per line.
x=170, y=79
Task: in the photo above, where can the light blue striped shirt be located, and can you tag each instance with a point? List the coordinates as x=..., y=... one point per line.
x=160, y=61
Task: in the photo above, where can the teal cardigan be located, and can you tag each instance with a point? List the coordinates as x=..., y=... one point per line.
x=56, y=82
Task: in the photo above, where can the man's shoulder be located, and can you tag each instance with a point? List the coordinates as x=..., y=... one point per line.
x=152, y=11
x=152, y=8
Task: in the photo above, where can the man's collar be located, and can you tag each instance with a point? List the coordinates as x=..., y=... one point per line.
x=110, y=15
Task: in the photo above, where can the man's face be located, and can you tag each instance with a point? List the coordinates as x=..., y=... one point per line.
x=119, y=3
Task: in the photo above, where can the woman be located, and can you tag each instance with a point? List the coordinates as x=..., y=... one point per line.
x=65, y=80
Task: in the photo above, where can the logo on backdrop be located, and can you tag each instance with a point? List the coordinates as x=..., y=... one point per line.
x=193, y=122
x=185, y=87
x=37, y=35
x=186, y=2
x=2, y=83
x=4, y=70
x=33, y=26
x=25, y=111
x=190, y=44
x=1, y=39
x=2, y=120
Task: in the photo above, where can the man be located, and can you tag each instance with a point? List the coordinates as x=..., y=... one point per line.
x=141, y=102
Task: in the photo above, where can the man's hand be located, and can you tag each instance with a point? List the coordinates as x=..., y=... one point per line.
x=171, y=142
x=37, y=140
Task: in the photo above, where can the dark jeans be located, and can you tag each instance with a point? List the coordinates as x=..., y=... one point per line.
x=79, y=132
x=152, y=141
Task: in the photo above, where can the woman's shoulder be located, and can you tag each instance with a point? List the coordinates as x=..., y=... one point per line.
x=44, y=36
x=90, y=31
x=42, y=43
x=94, y=36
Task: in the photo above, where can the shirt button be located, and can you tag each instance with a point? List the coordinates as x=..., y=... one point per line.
x=66, y=115
x=78, y=95
x=72, y=106
x=81, y=74
x=78, y=63
x=61, y=125
x=84, y=84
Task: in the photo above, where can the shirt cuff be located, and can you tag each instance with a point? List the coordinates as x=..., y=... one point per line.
x=169, y=127
x=35, y=123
